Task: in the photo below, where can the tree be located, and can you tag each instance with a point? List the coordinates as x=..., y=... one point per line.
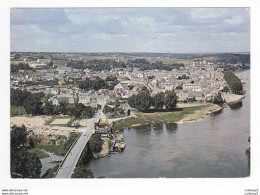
x=22, y=162
x=31, y=143
x=225, y=89
x=56, y=110
x=18, y=136
x=18, y=96
x=50, y=65
x=170, y=100
x=82, y=172
x=131, y=101
x=77, y=112
x=143, y=101
x=233, y=82
x=95, y=143
x=48, y=108
x=158, y=101
x=64, y=106
x=33, y=104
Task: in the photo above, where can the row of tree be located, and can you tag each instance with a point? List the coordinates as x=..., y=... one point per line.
x=108, y=64
x=21, y=66
x=233, y=82
x=31, y=101
x=143, y=100
x=77, y=110
x=33, y=105
x=115, y=111
x=98, y=83
x=96, y=65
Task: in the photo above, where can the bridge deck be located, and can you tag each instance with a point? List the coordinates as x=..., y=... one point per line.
x=71, y=159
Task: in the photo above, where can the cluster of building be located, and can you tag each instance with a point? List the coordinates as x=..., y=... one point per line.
x=202, y=82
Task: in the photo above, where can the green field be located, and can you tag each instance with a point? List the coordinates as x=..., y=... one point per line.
x=61, y=117
x=17, y=110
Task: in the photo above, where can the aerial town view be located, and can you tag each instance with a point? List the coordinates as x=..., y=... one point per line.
x=130, y=93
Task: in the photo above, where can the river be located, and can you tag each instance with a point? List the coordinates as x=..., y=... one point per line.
x=211, y=148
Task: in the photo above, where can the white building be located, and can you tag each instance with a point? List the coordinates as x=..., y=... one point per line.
x=192, y=87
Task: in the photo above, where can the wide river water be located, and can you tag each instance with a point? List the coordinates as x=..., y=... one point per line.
x=213, y=147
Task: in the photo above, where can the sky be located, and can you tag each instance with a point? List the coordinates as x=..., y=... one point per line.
x=164, y=30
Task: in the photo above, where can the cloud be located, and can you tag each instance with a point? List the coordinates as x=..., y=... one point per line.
x=130, y=29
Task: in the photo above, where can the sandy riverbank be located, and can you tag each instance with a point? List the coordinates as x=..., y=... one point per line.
x=200, y=114
x=180, y=115
x=232, y=98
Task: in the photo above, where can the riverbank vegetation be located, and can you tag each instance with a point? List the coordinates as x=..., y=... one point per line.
x=82, y=172
x=59, y=149
x=164, y=116
x=95, y=143
x=40, y=153
x=233, y=82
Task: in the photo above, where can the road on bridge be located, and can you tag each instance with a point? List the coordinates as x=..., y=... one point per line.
x=70, y=161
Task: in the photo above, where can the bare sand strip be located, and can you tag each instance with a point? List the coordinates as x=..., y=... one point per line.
x=232, y=98
x=200, y=114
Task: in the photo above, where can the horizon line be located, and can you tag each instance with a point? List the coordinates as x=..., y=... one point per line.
x=129, y=52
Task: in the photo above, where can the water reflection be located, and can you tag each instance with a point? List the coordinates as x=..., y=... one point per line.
x=157, y=128
x=171, y=127
x=213, y=147
x=236, y=106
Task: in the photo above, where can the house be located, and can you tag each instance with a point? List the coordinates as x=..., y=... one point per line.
x=44, y=60
x=54, y=91
x=42, y=65
x=199, y=96
x=182, y=95
x=64, y=69
x=120, y=88
x=59, y=98
x=102, y=128
x=84, y=98
x=192, y=87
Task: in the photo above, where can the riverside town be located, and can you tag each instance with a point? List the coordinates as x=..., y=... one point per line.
x=126, y=114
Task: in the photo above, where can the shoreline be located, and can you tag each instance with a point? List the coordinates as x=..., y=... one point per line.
x=186, y=115
x=200, y=115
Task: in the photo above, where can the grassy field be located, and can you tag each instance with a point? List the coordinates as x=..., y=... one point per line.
x=61, y=117
x=17, y=110
x=39, y=152
x=156, y=117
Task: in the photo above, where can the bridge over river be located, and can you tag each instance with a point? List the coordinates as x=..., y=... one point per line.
x=74, y=155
